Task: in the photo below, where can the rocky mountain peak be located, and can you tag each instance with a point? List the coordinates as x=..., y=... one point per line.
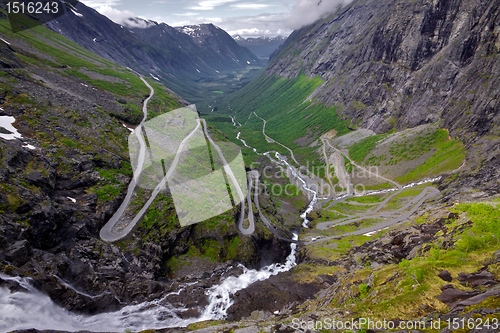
x=137, y=22
x=201, y=32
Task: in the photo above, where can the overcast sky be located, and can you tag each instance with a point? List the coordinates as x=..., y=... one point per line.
x=238, y=17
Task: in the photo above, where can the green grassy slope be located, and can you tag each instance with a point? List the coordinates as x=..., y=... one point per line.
x=292, y=119
x=57, y=123
x=467, y=242
x=425, y=153
x=72, y=104
x=40, y=50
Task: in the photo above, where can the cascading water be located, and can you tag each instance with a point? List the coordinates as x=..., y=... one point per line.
x=314, y=200
x=220, y=295
x=246, y=145
x=32, y=309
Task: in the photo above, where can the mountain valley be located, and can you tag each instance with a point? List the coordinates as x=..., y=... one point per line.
x=263, y=47
x=373, y=136
x=188, y=60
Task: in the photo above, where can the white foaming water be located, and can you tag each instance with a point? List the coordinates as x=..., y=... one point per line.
x=422, y=182
x=314, y=200
x=23, y=282
x=26, y=310
x=220, y=295
x=245, y=144
x=283, y=161
x=32, y=309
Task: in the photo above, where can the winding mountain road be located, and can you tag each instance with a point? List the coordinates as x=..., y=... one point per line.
x=112, y=232
x=392, y=218
x=254, y=175
x=108, y=233
x=362, y=168
x=251, y=228
x=118, y=226
x=271, y=140
x=388, y=218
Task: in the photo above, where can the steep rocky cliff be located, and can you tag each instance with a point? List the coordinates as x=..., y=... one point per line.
x=389, y=66
x=398, y=64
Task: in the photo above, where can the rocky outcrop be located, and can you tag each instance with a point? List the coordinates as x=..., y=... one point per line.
x=391, y=248
x=271, y=296
x=416, y=61
x=479, y=287
x=7, y=58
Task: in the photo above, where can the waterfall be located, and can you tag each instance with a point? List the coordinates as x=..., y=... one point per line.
x=32, y=309
x=219, y=296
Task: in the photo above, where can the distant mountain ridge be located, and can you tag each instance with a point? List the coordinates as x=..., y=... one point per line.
x=156, y=49
x=262, y=47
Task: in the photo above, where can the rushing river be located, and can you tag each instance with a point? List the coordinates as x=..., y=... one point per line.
x=33, y=309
